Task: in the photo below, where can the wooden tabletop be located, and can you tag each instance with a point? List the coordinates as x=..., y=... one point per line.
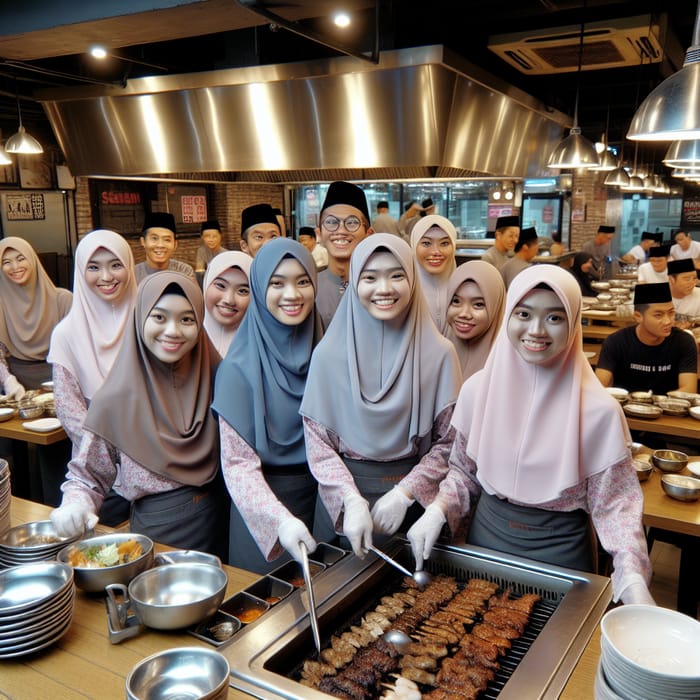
x=675, y=426
x=13, y=429
x=84, y=664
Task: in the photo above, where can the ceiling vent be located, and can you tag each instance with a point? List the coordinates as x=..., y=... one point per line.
x=612, y=44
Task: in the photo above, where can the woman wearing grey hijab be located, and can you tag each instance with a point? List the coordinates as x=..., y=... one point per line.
x=394, y=382
x=259, y=386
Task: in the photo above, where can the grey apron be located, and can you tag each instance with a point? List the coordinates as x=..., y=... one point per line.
x=189, y=517
x=296, y=489
x=373, y=479
x=30, y=373
x=552, y=537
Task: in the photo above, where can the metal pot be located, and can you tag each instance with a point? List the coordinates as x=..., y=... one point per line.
x=172, y=596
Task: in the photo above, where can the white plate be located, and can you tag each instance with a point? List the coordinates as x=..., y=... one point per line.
x=42, y=425
x=44, y=398
x=47, y=386
x=589, y=355
x=693, y=466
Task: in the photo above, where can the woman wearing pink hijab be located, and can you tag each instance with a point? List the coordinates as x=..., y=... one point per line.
x=86, y=342
x=541, y=447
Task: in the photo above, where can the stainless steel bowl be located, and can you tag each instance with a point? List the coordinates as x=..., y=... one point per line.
x=183, y=672
x=33, y=537
x=680, y=487
x=7, y=412
x=177, y=595
x=643, y=468
x=674, y=407
x=30, y=412
x=187, y=556
x=94, y=579
x=669, y=461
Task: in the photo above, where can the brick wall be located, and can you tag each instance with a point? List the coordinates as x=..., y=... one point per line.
x=227, y=201
x=603, y=205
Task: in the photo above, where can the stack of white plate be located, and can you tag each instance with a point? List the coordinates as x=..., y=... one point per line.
x=31, y=542
x=36, y=606
x=5, y=497
x=649, y=652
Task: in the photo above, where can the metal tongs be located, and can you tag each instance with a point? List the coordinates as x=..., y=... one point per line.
x=310, y=596
x=422, y=578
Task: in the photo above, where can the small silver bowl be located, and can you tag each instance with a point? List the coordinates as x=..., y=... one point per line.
x=30, y=411
x=641, y=397
x=674, y=407
x=186, y=672
x=669, y=461
x=680, y=487
x=6, y=412
x=643, y=468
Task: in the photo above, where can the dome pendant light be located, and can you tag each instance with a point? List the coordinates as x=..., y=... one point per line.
x=670, y=112
x=575, y=151
x=683, y=154
x=22, y=142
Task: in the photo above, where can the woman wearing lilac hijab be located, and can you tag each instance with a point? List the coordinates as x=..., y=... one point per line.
x=541, y=447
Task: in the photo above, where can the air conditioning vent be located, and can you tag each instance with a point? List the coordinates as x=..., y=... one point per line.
x=613, y=44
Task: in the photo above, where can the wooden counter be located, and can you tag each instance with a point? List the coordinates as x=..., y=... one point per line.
x=673, y=426
x=84, y=664
x=13, y=429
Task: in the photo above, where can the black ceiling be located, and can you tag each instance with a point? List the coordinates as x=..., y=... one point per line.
x=608, y=98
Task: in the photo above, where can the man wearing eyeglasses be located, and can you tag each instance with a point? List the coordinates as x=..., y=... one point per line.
x=343, y=223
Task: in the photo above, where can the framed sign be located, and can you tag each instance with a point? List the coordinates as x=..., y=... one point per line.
x=25, y=207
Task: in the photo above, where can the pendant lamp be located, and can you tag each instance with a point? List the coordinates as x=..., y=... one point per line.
x=617, y=178
x=22, y=141
x=670, y=112
x=575, y=151
x=4, y=157
x=683, y=154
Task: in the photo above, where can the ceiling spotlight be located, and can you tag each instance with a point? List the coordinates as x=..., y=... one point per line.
x=496, y=194
x=509, y=194
x=98, y=52
x=341, y=19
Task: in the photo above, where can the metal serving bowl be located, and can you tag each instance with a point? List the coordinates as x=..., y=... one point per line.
x=177, y=595
x=30, y=411
x=644, y=468
x=683, y=488
x=183, y=672
x=674, y=407
x=669, y=460
x=187, y=556
x=7, y=412
x=94, y=579
x=618, y=393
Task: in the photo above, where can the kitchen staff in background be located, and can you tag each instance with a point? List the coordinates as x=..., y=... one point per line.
x=86, y=342
x=210, y=232
x=434, y=241
x=529, y=495
x=30, y=307
x=226, y=297
x=656, y=270
x=685, y=247
x=384, y=222
x=259, y=225
x=149, y=431
x=411, y=211
x=378, y=400
x=427, y=207
x=477, y=299
x=259, y=386
x=506, y=235
x=343, y=223
x=159, y=240
x=525, y=250
x=640, y=253
x=600, y=248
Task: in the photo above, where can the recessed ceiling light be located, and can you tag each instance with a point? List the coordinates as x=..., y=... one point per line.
x=341, y=19
x=98, y=52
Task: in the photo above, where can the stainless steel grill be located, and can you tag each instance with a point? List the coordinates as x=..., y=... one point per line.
x=265, y=657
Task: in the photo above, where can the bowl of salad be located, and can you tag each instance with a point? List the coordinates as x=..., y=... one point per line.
x=116, y=558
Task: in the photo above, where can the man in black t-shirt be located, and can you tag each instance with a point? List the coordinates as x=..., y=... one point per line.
x=653, y=354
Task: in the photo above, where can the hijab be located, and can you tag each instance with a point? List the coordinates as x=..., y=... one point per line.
x=29, y=312
x=583, y=279
x=535, y=431
x=155, y=412
x=473, y=353
x=435, y=286
x=261, y=380
x=376, y=385
x=87, y=340
x=221, y=336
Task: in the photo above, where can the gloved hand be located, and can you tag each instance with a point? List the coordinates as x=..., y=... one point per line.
x=291, y=532
x=424, y=533
x=357, y=523
x=13, y=389
x=390, y=510
x=73, y=519
x=637, y=594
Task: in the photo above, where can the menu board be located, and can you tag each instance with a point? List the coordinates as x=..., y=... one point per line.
x=120, y=205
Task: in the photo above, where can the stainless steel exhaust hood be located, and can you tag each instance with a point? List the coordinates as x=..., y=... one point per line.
x=417, y=113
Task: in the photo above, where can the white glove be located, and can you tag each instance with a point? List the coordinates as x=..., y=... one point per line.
x=390, y=510
x=637, y=594
x=291, y=533
x=424, y=533
x=357, y=523
x=73, y=519
x=13, y=389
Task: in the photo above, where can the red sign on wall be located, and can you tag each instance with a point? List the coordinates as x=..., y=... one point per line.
x=194, y=208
